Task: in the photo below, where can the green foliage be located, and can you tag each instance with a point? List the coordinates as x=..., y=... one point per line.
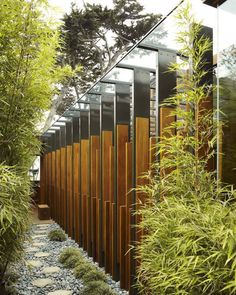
x=81, y=269
x=73, y=261
x=28, y=73
x=94, y=275
x=14, y=216
x=67, y=253
x=57, y=235
x=97, y=288
x=189, y=245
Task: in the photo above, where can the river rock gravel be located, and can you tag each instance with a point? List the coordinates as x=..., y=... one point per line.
x=62, y=279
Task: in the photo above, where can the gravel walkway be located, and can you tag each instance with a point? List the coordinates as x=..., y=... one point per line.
x=43, y=274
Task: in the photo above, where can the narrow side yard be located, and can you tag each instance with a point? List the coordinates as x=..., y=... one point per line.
x=42, y=273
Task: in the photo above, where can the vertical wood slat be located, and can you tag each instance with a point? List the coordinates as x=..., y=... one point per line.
x=84, y=188
x=98, y=200
x=142, y=161
x=106, y=144
x=76, y=188
x=42, y=178
x=69, y=216
x=49, y=162
x=128, y=187
x=122, y=247
x=166, y=119
x=111, y=213
x=45, y=180
x=122, y=138
x=94, y=145
x=53, y=185
x=107, y=244
x=58, y=183
x=63, y=187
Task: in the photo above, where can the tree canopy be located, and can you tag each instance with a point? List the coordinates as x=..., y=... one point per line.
x=95, y=36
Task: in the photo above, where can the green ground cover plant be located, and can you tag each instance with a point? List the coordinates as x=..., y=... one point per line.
x=81, y=269
x=189, y=245
x=94, y=275
x=98, y=288
x=68, y=252
x=57, y=235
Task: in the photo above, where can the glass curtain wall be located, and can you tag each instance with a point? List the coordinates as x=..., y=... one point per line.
x=227, y=90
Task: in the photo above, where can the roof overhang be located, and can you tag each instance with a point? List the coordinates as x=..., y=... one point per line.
x=213, y=3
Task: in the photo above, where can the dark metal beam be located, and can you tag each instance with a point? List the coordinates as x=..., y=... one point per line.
x=213, y=3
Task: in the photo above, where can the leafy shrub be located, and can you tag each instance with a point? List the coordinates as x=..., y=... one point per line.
x=57, y=235
x=94, y=275
x=68, y=252
x=189, y=245
x=14, y=216
x=97, y=288
x=82, y=269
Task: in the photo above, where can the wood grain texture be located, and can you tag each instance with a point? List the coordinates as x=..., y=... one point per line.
x=49, y=178
x=58, y=184
x=122, y=138
x=94, y=228
x=76, y=188
x=84, y=189
x=106, y=144
x=166, y=119
x=94, y=145
x=142, y=161
x=98, y=202
x=122, y=248
x=42, y=178
x=128, y=187
x=63, y=187
x=107, y=232
x=53, y=181
x=69, y=217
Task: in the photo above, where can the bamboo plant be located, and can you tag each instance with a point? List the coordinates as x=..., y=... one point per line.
x=189, y=220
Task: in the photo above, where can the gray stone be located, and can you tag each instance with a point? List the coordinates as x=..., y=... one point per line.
x=38, y=244
x=60, y=292
x=42, y=282
x=39, y=232
x=51, y=269
x=41, y=254
x=33, y=263
x=38, y=236
x=31, y=249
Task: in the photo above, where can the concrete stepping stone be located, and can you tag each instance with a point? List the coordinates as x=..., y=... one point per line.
x=43, y=225
x=42, y=254
x=38, y=236
x=42, y=282
x=31, y=249
x=60, y=292
x=34, y=263
x=51, y=269
x=38, y=244
x=40, y=232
